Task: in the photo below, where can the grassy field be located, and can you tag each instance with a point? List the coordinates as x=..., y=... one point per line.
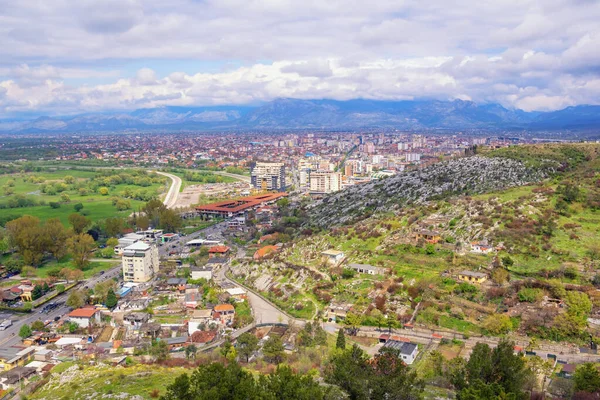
x=95, y=205
x=91, y=269
x=68, y=381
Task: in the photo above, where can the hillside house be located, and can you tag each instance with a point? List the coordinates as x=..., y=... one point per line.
x=481, y=248
x=472, y=277
x=366, y=269
x=202, y=273
x=218, y=251
x=224, y=313
x=432, y=237
x=333, y=256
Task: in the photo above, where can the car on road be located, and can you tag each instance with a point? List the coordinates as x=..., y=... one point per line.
x=102, y=272
x=57, y=318
x=5, y=324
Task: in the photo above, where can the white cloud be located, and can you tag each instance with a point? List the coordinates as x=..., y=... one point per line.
x=522, y=53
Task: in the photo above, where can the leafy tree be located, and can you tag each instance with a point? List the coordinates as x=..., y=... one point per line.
x=76, y=299
x=102, y=289
x=247, y=344
x=340, y=342
x=190, y=351
x=159, y=349
x=103, y=191
x=25, y=331
x=54, y=204
x=500, y=276
x=587, y=378
x=81, y=246
x=114, y=226
x=507, y=261
x=27, y=236
x=56, y=235
x=78, y=207
x=579, y=304
x=498, y=324
x=79, y=222
x=72, y=327
x=60, y=288
x=430, y=249
x=285, y=384
x=37, y=292
x=353, y=322
x=69, y=179
x=112, y=242
x=111, y=299
x=273, y=350
x=38, y=325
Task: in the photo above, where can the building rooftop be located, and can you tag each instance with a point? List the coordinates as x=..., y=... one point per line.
x=473, y=274
x=224, y=307
x=83, y=313
x=241, y=204
x=332, y=253
x=137, y=246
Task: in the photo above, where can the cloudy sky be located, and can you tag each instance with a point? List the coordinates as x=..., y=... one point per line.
x=62, y=57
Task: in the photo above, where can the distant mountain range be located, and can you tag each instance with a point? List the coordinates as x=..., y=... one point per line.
x=318, y=114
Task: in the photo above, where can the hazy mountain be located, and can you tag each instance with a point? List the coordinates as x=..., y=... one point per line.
x=326, y=114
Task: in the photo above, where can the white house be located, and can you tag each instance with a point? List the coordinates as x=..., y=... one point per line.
x=85, y=317
x=407, y=351
x=333, y=256
x=366, y=269
x=201, y=273
x=198, y=318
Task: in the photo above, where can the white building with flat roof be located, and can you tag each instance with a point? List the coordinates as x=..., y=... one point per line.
x=140, y=262
x=325, y=182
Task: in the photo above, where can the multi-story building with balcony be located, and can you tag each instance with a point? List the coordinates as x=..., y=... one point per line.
x=140, y=262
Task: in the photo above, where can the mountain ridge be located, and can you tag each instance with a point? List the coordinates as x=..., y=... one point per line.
x=318, y=114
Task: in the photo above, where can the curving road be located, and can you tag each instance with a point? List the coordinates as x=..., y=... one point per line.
x=170, y=199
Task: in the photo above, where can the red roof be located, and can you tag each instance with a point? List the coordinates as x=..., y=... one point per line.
x=83, y=313
x=263, y=251
x=218, y=249
x=224, y=307
x=241, y=204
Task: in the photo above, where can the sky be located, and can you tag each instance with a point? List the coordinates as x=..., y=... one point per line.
x=63, y=57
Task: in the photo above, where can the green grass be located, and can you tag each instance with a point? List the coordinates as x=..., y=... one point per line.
x=103, y=380
x=91, y=269
x=457, y=324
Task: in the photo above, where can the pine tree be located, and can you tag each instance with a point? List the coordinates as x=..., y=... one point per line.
x=111, y=299
x=341, y=340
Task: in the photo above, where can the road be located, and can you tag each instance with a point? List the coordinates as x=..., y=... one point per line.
x=10, y=337
x=173, y=193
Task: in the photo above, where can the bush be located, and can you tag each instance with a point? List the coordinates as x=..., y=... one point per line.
x=78, y=207
x=54, y=204
x=530, y=295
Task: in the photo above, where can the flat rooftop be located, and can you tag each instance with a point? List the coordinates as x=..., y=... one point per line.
x=241, y=204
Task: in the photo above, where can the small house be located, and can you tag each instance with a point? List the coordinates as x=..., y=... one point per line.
x=472, y=277
x=85, y=317
x=432, y=237
x=218, y=251
x=366, y=269
x=333, y=256
x=407, y=351
x=202, y=273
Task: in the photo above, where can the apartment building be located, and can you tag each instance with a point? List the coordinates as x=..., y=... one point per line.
x=140, y=262
x=325, y=182
x=268, y=176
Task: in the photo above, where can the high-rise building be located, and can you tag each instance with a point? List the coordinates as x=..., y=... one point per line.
x=325, y=182
x=140, y=262
x=268, y=176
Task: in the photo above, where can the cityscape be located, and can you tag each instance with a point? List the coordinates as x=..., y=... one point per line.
x=319, y=201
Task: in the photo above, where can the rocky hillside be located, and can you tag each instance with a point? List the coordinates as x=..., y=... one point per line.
x=470, y=175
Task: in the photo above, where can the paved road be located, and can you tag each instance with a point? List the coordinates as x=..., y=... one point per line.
x=7, y=339
x=173, y=193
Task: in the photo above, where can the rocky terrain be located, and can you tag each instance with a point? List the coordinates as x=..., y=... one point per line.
x=469, y=175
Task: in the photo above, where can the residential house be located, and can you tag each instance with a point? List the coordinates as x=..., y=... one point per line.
x=15, y=377
x=337, y=312
x=481, y=248
x=237, y=293
x=333, y=256
x=193, y=298
x=218, y=251
x=202, y=273
x=10, y=358
x=200, y=317
x=135, y=320
x=366, y=269
x=406, y=351
x=224, y=313
x=203, y=337
x=472, y=277
x=85, y=317
x=432, y=237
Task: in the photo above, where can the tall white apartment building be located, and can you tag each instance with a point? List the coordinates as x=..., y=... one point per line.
x=140, y=262
x=325, y=182
x=268, y=176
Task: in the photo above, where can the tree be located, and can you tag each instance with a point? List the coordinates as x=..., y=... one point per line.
x=79, y=222
x=69, y=179
x=78, y=207
x=37, y=292
x=273, y=350
x=498, y=324
x=25, y=331
x=81, y=246
x=247, y=344
x=60, y=288
x=111, y=299
x=285, y=384
x=57, y=237
x=112, y=242
x=190, y=351
x=340, y=343
x=587, y=378
x=76, y=299
x=38, y=325
x=353, y=322
x=103, y=191
x=27, y=236
x=159, y=349
x=65, y=198
x=500, y=276
x=114, y=226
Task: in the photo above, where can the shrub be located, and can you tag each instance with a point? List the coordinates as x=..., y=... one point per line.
x=530, y=295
